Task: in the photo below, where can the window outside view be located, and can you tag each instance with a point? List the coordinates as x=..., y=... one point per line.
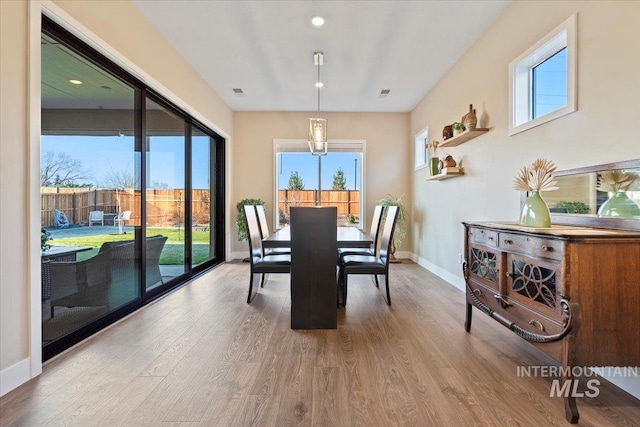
x=550, y=84
x=331, y=180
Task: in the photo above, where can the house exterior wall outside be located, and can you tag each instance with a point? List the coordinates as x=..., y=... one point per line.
x=386, y=154
x=140, y=44
x=599, y=132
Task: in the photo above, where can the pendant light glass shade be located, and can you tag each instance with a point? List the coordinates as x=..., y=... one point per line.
x=318, y=136
x=318, y=127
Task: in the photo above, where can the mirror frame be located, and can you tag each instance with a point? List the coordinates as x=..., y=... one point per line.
x=592, y=220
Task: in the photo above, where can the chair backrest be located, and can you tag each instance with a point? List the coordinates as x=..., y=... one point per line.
x=374, y=232
x=262, y=219
x=96, y=215
x=126, y=215
x=155, y=244
x=253, y=228
x=387, y=232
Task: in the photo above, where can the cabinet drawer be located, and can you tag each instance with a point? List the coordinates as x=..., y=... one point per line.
x=484, y=294
x=483, y=237
x=532, y=245
x=533, y=321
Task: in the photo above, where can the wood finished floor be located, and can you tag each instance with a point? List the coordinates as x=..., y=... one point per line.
x=202, y=356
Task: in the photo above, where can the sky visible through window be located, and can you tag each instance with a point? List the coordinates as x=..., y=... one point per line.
x=103, y=155
x=550, y=84
x=306, y=165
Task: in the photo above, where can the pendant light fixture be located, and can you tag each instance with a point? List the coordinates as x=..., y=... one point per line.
x=317, y=126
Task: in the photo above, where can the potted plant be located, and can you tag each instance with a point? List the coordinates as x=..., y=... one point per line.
x=45, y=236
x=457, y=128
x=241, y=222
x=400, y=231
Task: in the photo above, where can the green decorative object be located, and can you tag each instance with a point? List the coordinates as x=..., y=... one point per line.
x=619, y=205
x=535, y=212
x=433, y=166
x=241, y=222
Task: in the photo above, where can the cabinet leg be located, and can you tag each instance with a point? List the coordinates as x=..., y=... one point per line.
x=571, y=410
x=467, y=323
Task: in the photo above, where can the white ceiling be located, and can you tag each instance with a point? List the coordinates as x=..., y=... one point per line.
x=266, y=48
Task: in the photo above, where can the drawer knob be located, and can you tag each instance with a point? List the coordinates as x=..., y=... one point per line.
x=508, y=241
x=537, y=324
x=547, y=248
x=503, y=302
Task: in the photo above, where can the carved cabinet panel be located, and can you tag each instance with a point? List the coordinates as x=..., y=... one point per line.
x=571, y=291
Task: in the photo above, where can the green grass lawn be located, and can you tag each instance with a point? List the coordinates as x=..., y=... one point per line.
x=172, y=253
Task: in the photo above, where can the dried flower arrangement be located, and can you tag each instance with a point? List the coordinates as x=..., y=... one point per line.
x=537, y=177
x=433, y=147
x=616, y=180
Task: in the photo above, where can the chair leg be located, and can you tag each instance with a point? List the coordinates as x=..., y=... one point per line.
x=375, y=277
x=344, y=289
x=262, y=280
x=386, y=282
x=253, y=290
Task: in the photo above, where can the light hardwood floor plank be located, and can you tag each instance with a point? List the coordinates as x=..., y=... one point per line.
x=202, y=356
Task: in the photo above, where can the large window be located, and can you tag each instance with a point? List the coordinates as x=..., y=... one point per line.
x=129, y=185
x=335, y=179
x=543, y=80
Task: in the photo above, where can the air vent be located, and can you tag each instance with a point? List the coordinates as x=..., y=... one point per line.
x=238, y=91
x=384, y=92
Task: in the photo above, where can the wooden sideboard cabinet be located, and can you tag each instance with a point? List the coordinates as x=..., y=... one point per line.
x=574, y=292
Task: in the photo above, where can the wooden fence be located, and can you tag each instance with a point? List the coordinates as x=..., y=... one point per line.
x=165, y=208
x=347, y=201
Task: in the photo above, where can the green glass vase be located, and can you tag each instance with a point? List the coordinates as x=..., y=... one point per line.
x=619, y=205
x=535, y=212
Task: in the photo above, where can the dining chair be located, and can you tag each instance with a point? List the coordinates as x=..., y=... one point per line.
x=264, y=231
x=371, y=264
x=374, y=234
x=261, y=264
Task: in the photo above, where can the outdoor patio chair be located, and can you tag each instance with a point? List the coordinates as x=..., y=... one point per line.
x=371, y=264
x=80, y=283
x=97, y=217
x=122, y=217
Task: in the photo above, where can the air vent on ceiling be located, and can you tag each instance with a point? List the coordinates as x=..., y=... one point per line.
x=238, y=91
x=384, y=93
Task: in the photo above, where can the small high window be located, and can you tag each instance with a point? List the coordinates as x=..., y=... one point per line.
x=421, y=152
x=543, y=79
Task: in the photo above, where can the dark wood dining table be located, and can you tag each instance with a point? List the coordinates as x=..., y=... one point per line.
x=313, y=278
x=348, y=237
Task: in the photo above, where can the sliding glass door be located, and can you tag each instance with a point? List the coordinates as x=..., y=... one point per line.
x=132, y=190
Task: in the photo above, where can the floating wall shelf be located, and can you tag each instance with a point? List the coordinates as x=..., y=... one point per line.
x=442, y=176
x=463, y=137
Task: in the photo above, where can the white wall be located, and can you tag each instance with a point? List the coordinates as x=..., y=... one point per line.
x=599, y=132
x=140, y=49
x=386, y=136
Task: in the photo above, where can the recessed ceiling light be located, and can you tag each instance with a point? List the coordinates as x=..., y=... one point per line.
x=319, y=84
x=75, y=82
x=318, y=21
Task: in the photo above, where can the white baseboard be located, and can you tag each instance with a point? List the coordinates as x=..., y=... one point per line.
x=14, y=376
x=239, y=255
x=452, y=279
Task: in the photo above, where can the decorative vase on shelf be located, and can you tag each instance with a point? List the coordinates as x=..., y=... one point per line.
x=470, y=120
x=535, y=212
x=433, y=166
x=447, y=132
x=619, y=205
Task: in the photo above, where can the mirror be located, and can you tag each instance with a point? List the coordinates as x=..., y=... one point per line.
x=606, y=196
